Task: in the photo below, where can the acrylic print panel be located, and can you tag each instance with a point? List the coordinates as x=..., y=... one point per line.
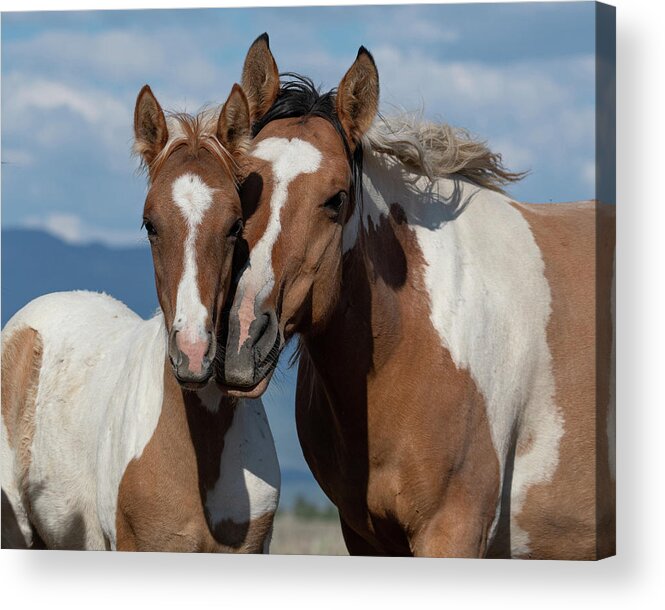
x=368, y=310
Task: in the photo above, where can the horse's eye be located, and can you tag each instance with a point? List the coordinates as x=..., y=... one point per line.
x=149, y=228
x=236, y=228
x=336, y=203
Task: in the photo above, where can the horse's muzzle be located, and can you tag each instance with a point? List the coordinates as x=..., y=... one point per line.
x=246, y=366
x=192, y=357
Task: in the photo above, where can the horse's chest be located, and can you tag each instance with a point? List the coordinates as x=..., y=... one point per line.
x=387, y=451
x=364, y=482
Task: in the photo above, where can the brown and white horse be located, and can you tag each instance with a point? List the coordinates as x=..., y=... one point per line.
x=101, y=447
x=453, y=393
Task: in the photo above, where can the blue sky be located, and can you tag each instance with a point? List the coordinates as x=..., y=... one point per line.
x=519, y=75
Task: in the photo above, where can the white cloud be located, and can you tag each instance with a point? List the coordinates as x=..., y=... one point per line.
x=17, y=156
x=525, y=87
x=44, y=113
x=117, y=56
x=410, y=25
x=92, y=106
x=74, y=230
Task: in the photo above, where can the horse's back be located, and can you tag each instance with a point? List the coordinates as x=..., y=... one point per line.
x=572, y=514
x=62, y=314
x=61, y=369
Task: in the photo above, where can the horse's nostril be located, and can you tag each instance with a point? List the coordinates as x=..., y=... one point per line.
x=191, y=353
x=264, y=322
x=174, y=353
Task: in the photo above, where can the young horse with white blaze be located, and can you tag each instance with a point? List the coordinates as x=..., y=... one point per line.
x=453, y=387
x=102, y=448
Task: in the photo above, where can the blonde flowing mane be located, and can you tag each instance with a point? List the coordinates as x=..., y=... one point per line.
x=196, y=132
x=438, y=150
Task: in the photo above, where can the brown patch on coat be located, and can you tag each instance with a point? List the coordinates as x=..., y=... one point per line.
x=572, y=516
x=21, y=364
x=431, y=489
x=161, y=500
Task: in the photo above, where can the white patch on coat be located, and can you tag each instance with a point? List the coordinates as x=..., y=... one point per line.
x=289, y=159
x=249, y=476
x=193, y=198
x=97, y=406
x=490, y=304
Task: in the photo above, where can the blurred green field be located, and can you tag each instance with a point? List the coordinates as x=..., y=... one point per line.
x=294, y=535
x=307, y=529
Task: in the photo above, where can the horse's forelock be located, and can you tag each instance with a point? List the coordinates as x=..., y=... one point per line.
x=196, y=132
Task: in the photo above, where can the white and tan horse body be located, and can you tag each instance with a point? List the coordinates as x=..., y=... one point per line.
x=453, y=393
x=96, y=408
x=518, y=317
x=97, y=404
x=487, y=267
x=490, y=313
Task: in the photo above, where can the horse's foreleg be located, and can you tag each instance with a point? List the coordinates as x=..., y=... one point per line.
x=356, y=544
x=458, y=529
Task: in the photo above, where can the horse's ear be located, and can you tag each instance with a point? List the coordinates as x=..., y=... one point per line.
x=233, y=125
x=260, y=77
x=150, y=131
x=358, y=96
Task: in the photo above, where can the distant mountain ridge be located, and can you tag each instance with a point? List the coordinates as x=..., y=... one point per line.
x=36, y=263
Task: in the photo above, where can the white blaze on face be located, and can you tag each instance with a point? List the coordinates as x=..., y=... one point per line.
x=193, y=197
x=289, y=158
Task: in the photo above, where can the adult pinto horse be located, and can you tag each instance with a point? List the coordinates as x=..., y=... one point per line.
x=453, y=393
x=114, y=436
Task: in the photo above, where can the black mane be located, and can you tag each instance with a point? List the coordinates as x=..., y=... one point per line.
x=299, y=97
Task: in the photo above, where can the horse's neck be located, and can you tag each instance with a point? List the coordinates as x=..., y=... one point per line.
x=204, y=415
x=458, y=253
x=209, y=415
x=390, y=191
x=402, y=228
x=464, y=261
